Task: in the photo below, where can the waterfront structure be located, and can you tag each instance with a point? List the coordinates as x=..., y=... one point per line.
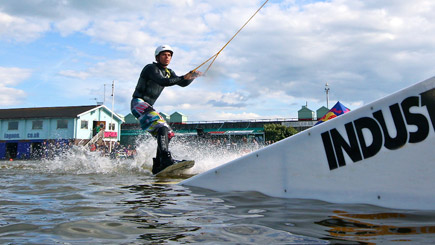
x=25, y=131
x=229, y=129
x=178, y=117
x=305, y=113
x=165, y=116
x=321, y=112
x=130, y=119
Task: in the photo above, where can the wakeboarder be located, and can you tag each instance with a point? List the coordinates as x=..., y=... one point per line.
x=152, y=80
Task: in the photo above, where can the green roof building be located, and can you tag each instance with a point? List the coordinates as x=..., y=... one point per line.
x=305, y=114
x=166, y=116
x=130, y=119
x=177, y=117
x=321, y=112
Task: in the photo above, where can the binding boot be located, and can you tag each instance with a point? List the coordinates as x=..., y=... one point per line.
x=163, y=158
x=156, y=166
x=162, y=161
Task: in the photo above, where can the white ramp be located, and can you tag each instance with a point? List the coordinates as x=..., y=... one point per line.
x=382, y=154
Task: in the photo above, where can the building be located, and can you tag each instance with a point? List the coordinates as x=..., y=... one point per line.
x=305, y=114
x=178, y=117
x=165, y=116
x=25, y=131
x=131, y=130
x=321, y=112
x=130, y=119
x=218, y=129
x=230, y=129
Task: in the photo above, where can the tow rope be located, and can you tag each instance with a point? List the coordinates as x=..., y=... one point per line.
x=217, y=54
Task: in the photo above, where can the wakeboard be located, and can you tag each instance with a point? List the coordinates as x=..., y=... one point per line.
x=176, y=169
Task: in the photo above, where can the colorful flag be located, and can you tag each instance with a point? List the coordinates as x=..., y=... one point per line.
x=335, y=111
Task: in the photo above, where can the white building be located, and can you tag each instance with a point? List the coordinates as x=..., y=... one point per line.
x=24, y=131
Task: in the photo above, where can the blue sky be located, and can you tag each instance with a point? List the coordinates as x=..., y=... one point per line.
x=61, y=53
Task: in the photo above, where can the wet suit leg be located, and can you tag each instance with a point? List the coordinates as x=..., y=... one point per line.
x=162, y=141
x=163, y=158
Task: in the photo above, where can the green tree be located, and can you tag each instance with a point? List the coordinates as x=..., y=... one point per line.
x=277, y=132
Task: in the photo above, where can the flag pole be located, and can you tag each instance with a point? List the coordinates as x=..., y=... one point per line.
x=113, y=108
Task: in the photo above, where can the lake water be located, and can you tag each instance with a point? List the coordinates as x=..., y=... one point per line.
x=83, y=198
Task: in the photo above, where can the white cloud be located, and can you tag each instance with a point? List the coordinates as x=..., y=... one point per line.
x=74, y=74
x=19, y=29
x=13, y=75
x=11, y=96
x=9, y=78
x=119, y=69
x=121, y=32
x=92, y=81
x=281, y=59
x=314, y=43
x=73, y=24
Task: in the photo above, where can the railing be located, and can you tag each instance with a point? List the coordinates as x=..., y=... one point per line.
x=96, y=138
x=246, y=120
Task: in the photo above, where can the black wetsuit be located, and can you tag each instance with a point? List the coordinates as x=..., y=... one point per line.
x=153, y=79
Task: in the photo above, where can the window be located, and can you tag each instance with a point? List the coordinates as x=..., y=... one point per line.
x=84, y=124
x=112, y=126
x=37, y=124
x=12, y=125
x=62, y=123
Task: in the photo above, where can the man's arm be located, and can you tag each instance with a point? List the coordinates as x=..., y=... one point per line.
x=185, y=83
x=154, y=74
x=189, y=77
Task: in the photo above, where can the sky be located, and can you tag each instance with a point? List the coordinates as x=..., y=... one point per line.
x=68, y=53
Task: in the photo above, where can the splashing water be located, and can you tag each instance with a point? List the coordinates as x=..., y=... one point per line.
x=79, y=160
x=206, y=156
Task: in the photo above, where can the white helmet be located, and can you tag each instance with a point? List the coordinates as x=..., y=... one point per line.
x=162, y=48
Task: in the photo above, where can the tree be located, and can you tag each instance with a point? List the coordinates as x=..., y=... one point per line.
x=277, y=132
